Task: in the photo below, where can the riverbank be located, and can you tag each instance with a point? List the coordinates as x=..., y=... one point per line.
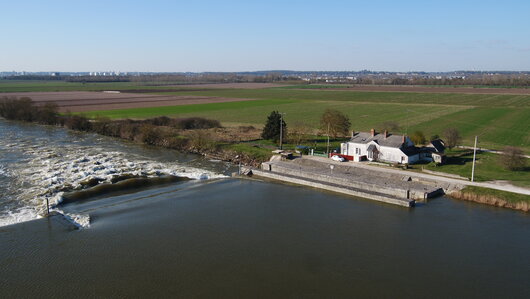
x=190, y=135
x=493, y=197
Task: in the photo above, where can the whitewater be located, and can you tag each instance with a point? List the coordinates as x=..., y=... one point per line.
x=40, y=163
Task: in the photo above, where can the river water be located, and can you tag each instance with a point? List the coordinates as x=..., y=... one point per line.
x=215, y=236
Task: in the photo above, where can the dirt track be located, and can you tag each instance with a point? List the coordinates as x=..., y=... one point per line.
x=81, y=101
x=425, y=89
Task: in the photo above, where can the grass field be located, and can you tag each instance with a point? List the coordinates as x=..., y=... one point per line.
x=487, y=168
x=498, y=119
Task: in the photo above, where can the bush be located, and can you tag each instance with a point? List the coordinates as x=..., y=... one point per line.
x=18, y=109
x=78, y=123
x=513, y=158
x=48, y=114
x=452, y=137
x=193, y=123
x=150, y=134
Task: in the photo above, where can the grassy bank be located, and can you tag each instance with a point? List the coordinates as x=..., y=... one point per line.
x=487, y=168
x=494, y=197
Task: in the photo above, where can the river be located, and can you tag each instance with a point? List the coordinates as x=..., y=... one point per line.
x=216, y=236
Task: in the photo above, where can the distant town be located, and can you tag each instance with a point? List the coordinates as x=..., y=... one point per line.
x=489, y=78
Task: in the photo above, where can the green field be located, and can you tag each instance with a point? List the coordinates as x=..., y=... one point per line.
x=498, y=120
x=487, y=167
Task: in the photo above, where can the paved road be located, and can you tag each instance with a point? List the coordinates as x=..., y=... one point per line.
x=503, y=187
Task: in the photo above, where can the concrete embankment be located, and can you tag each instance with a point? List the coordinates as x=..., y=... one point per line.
x=347, y=179
x=335, y=188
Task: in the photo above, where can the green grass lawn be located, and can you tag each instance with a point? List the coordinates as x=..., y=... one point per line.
x=487, y=168
x=507, y=196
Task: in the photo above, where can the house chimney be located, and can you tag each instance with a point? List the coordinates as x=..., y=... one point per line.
x=352, y=134
x=373, y=132
x=404, y=138
x=386, y=134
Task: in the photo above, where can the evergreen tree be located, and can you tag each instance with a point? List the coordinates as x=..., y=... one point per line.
x=271, y=131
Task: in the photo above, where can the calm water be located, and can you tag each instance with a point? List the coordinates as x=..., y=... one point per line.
x=222, y=237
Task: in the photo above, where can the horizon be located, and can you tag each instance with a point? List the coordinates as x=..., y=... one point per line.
x=269, y=71
x=237, y=36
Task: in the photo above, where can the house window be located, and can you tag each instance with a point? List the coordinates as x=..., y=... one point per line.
x=357, y=151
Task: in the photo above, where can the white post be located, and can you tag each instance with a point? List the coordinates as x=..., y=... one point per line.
x=327, y=151
x=281, y=129
x=474, y=158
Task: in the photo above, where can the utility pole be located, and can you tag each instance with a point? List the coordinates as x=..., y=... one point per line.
x=281, y=130
x=327, y=151
x=474, y=158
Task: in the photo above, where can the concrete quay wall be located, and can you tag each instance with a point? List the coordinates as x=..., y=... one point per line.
x=404, y=193
x=334, y=188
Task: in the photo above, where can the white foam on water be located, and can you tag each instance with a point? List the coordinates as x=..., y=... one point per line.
x=4, y=171
x=50, y=171
x=19, y=215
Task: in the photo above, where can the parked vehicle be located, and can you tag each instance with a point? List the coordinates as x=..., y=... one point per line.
x=338, y=158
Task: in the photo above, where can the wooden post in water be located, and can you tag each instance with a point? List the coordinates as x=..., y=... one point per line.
x=47, y=206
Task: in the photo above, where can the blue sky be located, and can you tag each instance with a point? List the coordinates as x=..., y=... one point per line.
x=264, y=35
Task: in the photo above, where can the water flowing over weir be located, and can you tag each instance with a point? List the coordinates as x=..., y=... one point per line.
x=39, y=163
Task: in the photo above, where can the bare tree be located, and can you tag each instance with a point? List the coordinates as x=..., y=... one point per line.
x=335, y=122
x=452, y=137
x=513, y=158
x=418, y=137
x=299, y=132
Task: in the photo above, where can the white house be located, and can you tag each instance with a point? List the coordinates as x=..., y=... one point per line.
x=381, y=147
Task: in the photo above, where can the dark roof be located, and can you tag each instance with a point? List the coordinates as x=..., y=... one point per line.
x=366, y=137
x=411, y=150
x=371, y=148
x=438, y=145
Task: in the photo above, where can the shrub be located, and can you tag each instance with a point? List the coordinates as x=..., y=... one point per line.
x=513, y=158
x=18, y=109
x=77, y=122
x=48, y=114
x=195, y=123
x=452, y=137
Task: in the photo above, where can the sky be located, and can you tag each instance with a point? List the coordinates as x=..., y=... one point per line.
x=197, y=36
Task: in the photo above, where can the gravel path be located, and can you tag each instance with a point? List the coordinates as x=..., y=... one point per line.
x=492, y=185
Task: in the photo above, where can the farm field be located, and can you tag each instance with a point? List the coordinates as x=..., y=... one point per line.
x=498, y=119
x=80, y=101
x=51, y=86
x=417, y=88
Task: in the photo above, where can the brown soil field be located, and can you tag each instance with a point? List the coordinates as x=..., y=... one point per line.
x=426, y=89
x=82, y=101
